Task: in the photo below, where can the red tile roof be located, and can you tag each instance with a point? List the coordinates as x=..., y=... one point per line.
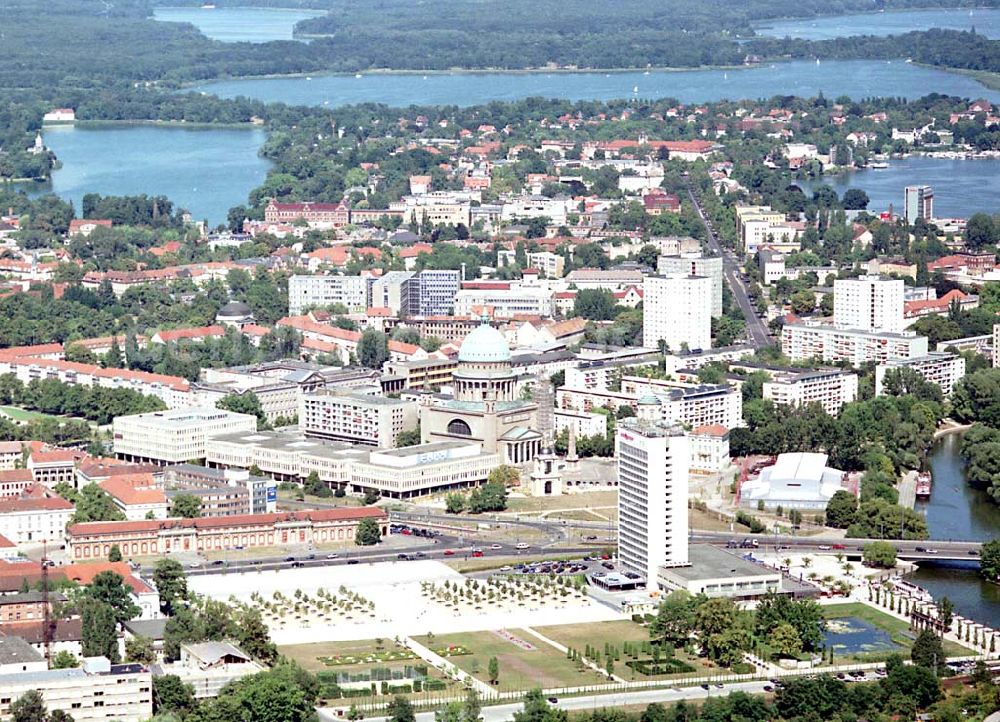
x=15, y=504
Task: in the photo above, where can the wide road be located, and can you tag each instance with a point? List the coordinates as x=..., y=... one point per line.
x=757, y=333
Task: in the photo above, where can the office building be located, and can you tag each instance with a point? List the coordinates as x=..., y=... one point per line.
x=696, y=264
x=174, y=437
x=430, y=293
x=307, y=292
x=918, y=202
x=939, y=367
x=868, y=303
x=717, y=572
x=690, y=404
x=387, y=290
x=830, y=388
x=653, y=461
x=355, y=418
x=222, y=492
x=506, y=300
x=805, y=341
x=677, y=311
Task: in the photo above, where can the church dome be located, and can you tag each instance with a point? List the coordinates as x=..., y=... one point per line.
x=234, y=309
x=484, y=345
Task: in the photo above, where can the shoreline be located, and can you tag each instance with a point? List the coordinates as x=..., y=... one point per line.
x=96, y=123
x=952, y=428
x=860, y=13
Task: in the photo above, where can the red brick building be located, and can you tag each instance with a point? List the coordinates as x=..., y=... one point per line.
x=330, y=215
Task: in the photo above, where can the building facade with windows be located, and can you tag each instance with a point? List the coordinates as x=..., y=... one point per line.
x=653, y=460
x=939, y=367
x=677, y=311
x=869, y=303
x=831, y=388
x=356, y=418
x=34, y=520
x=305, y=292
x=175, y=437
x=696, y=264
x=802, y=341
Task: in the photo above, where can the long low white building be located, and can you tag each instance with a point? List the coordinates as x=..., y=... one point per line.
x=831, y=388
x=800, y=341
x=175, y=437
x=506, y=302
x=397, y=473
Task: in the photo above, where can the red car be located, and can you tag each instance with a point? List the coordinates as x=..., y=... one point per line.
x=449, y=553
x=477, y=554
x=839, y=546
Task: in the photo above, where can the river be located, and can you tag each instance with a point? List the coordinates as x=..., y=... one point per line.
x=207, y=171
x=961, y=187
x=234, y=25
x=854, y=78
x=957, y=511
x=986, y=21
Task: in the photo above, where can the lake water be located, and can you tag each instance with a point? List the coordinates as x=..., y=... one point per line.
x=854, y=78
x=206, y=171
x=985, y=20
x=957, y=511
x=234, y=25
x=961, y=187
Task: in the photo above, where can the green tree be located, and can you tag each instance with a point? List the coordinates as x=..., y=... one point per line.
x=400, y=710
x=928, y=652
x=64, y=659
x=505, y=474
x=95, y=504
x=139, y=649
x=841, y=508
x=493, y=670
x=244, y=403
x=314, y=486
x=115, y=555
x=855, y=199
x=785, y=639
x=454, y=503
x=989, y=560
x=471, y=707
x=408, y=438
x=373, y=349
x=172, y=695
x=674, y=619
x=29, y=707
x=537, y=709
x=109, y=588
x=182, y=627
x=368, y=533
x=946, y=611
x=879, y=554
x=186, y=506
x=171, y=583
x=491, y=496
x=595, y=304
x=99, y=630
x=254, y=637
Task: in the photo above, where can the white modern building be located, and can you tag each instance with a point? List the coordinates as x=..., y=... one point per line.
x=918, y=202
x=939, y=367
x=653, y=461
x=304, y=292
x=677, y=310
x=869, y=303
x=831, y=388
x=801, y=341
x=387, y=291
x=34, y=520
x=97, y=691
x=174, y=437
x=690, y=404
x=356, y=417
x=506, y=302
x=696, y=264
x=796, y=481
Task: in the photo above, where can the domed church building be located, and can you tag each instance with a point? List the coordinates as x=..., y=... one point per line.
x=485, y=407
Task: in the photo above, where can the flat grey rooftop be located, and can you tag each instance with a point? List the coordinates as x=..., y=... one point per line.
x=709, y=562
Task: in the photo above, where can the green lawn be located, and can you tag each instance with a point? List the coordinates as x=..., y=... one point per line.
x=899, y=631
x=23, y=415
x=578, y=636
x=520, y=669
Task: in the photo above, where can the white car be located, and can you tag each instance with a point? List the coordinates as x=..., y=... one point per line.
x=825, y=547
x=522, y=545
x=495, y=546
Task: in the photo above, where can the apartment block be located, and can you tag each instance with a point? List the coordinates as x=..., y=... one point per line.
x=869, y=303
x=97, y=691
x=356, y=418
x=690, y=404
x=430, y=293
x=506, y=300
x=677, y=310
x=305, y=292
x=759, y=225
x=801, y=341
x=939, y=367
x=175, y=437
x=831, y=388
x=653, y=459
x=696, y=264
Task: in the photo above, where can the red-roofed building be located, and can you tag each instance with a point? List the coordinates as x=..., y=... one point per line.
x=85, y=226
x=93, y=540
x=317, y=215
x=138, y=496
x=658, y=203
x=709, y=449
x=914, y=310
x=188, y=334
x=54, y=466
x=14, y=482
